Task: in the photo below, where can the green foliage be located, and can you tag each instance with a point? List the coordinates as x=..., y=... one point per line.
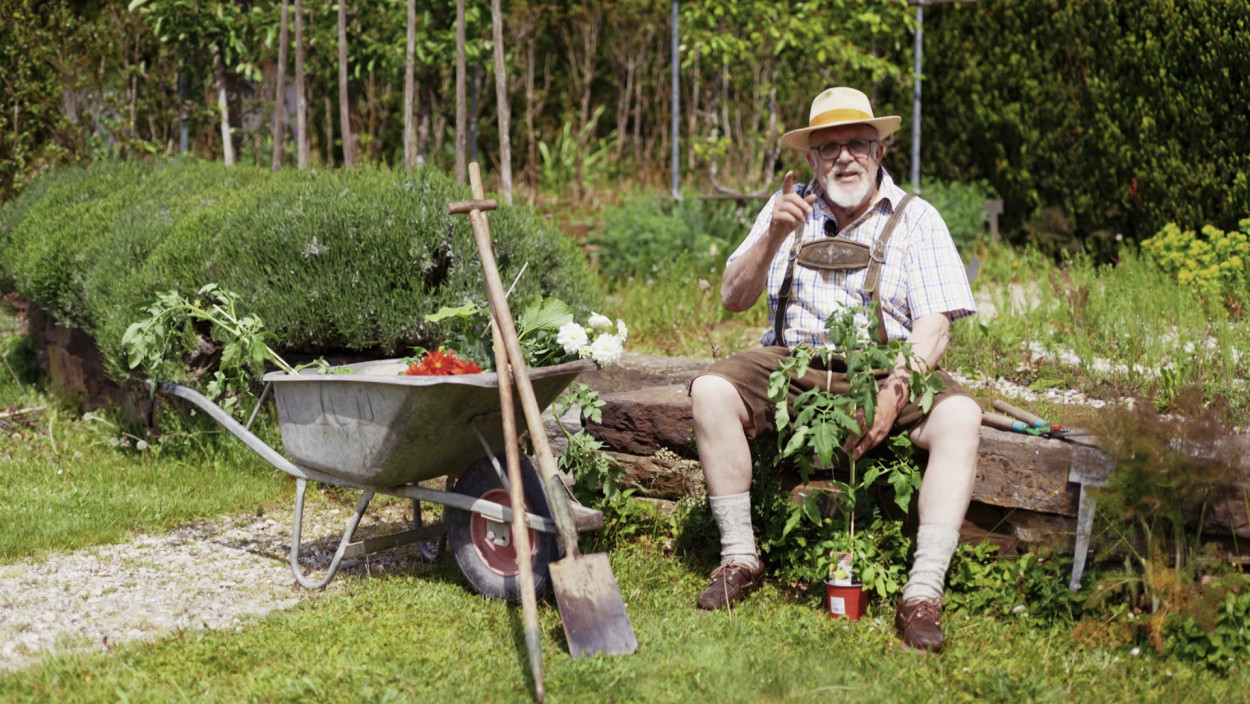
x=1217, y=632
x=1215, y=262
x=171, y=328
x=1032, y=587
x=799, y=542
x=817, y=423
x=645, y=235
x=597, y=478
x=1118, y=115
x=330, y=261
x=962, y=206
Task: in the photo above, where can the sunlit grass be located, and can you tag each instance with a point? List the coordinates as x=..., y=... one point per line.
x=421, y=636
x=677, y=312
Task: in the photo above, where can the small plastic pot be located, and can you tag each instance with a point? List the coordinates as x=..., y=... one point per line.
x=844, y=600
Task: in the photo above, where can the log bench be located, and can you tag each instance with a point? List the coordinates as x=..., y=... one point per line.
x=1028, y=489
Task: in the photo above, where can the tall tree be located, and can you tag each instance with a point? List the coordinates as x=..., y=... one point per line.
x=303, y=139
x=580, y=32
x=461, y=100
x=223, y=105
x=410, y=89
x=279, y=101
x=345, y=118
x=503, y=109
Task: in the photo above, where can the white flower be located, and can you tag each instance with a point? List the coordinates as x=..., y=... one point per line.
x=141, y=445
x=606, y=350
x=572, y=337
x=600, y=323
x=622, y=331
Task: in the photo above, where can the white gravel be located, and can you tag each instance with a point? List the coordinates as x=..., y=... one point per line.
x=214, y=574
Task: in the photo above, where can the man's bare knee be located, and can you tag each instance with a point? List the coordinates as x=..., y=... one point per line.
x=956, y=420
x=714, y=399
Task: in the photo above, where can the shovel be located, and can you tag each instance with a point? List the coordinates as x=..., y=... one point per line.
x=590, y=602
x=520, y=531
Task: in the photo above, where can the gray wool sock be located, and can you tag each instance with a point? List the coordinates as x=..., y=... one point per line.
x=737, y=540
x=934, y=547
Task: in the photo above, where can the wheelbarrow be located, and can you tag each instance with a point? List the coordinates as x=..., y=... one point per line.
x=368, y=427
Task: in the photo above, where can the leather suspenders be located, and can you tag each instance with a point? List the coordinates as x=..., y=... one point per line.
x=831, y=259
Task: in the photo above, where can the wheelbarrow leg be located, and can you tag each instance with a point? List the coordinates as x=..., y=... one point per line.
x=300, y=486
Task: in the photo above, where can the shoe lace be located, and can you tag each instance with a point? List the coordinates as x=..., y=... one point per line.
x=927, y=609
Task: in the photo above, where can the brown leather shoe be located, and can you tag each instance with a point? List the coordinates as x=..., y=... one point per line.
x=729, y=583
x=919, y=624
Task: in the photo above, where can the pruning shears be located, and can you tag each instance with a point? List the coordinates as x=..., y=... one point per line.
x=1021, y=421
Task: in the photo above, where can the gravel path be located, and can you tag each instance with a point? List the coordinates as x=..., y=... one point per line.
x=212, y=574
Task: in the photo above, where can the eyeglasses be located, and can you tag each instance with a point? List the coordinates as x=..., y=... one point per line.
x=858, y=148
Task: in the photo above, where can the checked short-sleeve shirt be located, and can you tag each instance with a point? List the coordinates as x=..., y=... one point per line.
x=922, y=273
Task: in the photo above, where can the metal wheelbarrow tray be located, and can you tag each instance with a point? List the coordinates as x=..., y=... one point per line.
x=367, y=427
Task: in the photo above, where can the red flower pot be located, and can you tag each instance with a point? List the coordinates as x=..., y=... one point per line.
x=844, y=600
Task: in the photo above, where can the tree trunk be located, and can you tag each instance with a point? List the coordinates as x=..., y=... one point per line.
x=582, y=43
x=345, y=117
x=223, y=106
x=329, y=132
x=302, y=137
x=692, y=130
x=279, y=101
x=410, y=89
x=504, y=110
x=461, y=99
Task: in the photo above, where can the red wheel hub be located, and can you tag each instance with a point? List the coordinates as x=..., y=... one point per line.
x=500, y=559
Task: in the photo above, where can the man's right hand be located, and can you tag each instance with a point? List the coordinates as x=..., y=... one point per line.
x=790, y=210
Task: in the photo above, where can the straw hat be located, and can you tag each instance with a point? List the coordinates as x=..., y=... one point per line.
x=836, y=107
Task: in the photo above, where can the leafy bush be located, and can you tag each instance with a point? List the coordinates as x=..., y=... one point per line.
x=645, y=234
x=1121, y=114
x=331, y=261
x=1214, y=262
x=962, y=206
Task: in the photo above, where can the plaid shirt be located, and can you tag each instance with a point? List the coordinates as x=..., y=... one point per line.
x=922, y=273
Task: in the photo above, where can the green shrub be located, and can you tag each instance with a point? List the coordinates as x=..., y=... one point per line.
x=962, y=206
x=331, y=261
x=1123, y=116
x=1214, y=262
x=645, y=234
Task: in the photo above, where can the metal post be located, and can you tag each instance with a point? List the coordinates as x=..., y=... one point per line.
x=676, y=104
x=915, y=107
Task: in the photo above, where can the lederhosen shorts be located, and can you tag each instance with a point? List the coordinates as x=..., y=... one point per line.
x=749, y=370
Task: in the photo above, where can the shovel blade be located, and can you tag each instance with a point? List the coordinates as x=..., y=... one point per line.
x=591, y=606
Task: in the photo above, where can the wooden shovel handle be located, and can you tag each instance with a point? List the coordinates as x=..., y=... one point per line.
x=507, y=329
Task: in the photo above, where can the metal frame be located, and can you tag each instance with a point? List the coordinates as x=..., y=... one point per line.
x=585, y=518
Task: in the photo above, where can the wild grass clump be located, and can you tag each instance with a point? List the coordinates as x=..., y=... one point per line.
x=1109, y=331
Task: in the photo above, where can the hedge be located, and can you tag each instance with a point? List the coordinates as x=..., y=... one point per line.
x=345, y=261
x=1125, y=115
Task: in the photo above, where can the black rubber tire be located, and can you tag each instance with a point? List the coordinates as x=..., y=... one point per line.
x=477, y=481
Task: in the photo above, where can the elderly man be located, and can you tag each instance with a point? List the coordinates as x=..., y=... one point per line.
x=920, y=287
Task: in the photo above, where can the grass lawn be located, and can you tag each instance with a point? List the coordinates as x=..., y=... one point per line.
x=68, y=481
x=421, y=636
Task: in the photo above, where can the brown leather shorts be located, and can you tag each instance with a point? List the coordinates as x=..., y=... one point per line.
x=749, y=370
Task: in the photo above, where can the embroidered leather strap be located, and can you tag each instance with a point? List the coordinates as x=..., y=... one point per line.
x=871, y=280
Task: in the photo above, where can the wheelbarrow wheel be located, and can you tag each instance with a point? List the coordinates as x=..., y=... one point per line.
x=484, y=549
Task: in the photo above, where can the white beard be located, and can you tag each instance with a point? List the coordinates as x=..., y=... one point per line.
x=849, y=197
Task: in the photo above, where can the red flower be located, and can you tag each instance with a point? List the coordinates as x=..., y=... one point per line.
x=440, y=363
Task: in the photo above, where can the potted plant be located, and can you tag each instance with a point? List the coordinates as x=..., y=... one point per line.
x=815, y=426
